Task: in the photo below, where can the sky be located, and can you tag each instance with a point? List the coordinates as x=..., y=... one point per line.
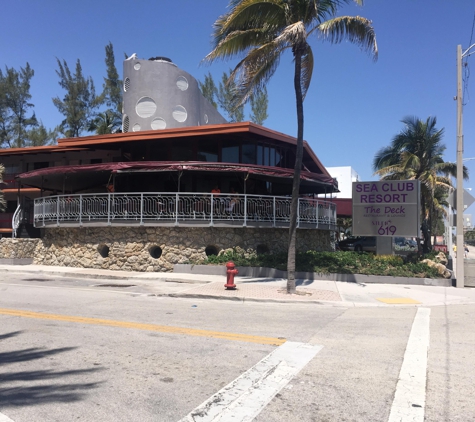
x=354, y=106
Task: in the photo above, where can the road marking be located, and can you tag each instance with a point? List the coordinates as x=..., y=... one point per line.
x=245, y=397
x=410, y=396
x=398, y=300
x=148, y=327
x=4, y=418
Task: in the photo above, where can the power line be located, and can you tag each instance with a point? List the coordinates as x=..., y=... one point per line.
x=466, y=68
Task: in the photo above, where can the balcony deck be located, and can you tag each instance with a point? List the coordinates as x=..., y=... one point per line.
x=180, y=209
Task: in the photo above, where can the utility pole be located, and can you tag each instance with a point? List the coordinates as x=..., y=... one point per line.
x=460, y=276
x=459, y=270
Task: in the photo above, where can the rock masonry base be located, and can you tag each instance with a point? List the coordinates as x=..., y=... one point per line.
x=152, y=249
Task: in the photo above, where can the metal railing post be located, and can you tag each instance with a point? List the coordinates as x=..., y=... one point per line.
x=108, y=209
x=316, y=214
x=141, y=209
x=176, y=209
x=57, y=211
x=273, y=212
x=80, y=210
x=211, y=223
x=245, y=211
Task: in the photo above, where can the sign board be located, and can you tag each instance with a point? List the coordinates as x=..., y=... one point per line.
x=442, y=248
x=468, y=199
x=388, y=208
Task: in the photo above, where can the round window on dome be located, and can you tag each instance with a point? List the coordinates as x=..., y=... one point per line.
x=158, y=124
x=179, y=113
x=182, y=83
x=145, y=107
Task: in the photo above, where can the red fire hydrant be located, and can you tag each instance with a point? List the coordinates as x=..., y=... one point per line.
x=231, y=271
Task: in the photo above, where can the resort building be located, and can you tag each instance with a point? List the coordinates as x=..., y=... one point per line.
x=178, y=184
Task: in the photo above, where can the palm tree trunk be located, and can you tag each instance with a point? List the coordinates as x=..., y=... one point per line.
x=424, y=226
x=296, y=181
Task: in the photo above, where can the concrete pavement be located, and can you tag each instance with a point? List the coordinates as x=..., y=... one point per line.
x=202, y=286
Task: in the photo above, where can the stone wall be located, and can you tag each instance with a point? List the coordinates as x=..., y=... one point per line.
x=151, y=248
x=18, y=248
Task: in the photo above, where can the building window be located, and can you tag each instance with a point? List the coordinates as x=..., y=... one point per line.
x=249, y=153
x=181, y=153
x=182, y=83
x=207, y=151
x=230, y=152
x=179, y=113
x=40, y=165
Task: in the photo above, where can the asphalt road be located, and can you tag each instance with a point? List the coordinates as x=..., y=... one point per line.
x=73, y=352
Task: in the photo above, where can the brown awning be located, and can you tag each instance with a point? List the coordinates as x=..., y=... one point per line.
x=86, y=176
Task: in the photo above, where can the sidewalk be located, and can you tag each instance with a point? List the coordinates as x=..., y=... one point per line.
x=201, y=286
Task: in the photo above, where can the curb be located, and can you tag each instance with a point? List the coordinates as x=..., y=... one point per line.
x=246, y=299
x=265, y=272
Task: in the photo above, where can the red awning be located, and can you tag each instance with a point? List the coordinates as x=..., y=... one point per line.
x=84, y=175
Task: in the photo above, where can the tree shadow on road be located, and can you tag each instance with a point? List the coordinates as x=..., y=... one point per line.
x=40, y=386
x=8, y=335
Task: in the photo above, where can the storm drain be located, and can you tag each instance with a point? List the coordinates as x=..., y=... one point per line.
x=115, y=285
x=37, y=279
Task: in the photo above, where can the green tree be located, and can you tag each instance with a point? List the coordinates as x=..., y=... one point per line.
x=262, y=30
x=225, y=96
x=5, y=135
x=112, y=84
x=105, y=122
x=80, y=101
x=209, y=90
x=40, y=135
x=259, y=102
x=440, y=206
x=15, y=105
x=110, y=120
x=416, y=153
x=3, y=203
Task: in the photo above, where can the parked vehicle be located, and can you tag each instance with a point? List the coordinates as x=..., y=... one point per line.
x=358, y=244
x=405, y=243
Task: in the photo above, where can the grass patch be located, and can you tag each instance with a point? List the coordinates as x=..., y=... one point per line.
x=340, y=262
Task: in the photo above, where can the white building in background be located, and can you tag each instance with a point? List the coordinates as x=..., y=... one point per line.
x=467, y=222
x=346, y=176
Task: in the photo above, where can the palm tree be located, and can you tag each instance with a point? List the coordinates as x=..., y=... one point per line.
x=262, y=30
x=440, y=206
x=106, y=122
x=416, y=153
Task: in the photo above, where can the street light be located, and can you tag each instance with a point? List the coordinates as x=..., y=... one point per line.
x=459, y=267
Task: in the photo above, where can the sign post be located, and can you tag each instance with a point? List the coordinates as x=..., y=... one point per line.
x=386, y=208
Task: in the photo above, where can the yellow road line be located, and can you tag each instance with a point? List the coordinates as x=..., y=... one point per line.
x=398, y=301
x=148, y=327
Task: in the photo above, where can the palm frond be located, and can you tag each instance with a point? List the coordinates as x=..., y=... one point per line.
x=355, y=29
x=249, y=15
x=307, y=70
x=253, y=72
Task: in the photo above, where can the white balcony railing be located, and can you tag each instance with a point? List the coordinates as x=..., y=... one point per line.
x=180, y=209
x=16, y=220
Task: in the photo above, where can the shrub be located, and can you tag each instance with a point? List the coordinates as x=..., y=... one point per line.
x=331, y=262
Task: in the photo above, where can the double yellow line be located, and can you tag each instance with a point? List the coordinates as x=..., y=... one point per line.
x=147, y=327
